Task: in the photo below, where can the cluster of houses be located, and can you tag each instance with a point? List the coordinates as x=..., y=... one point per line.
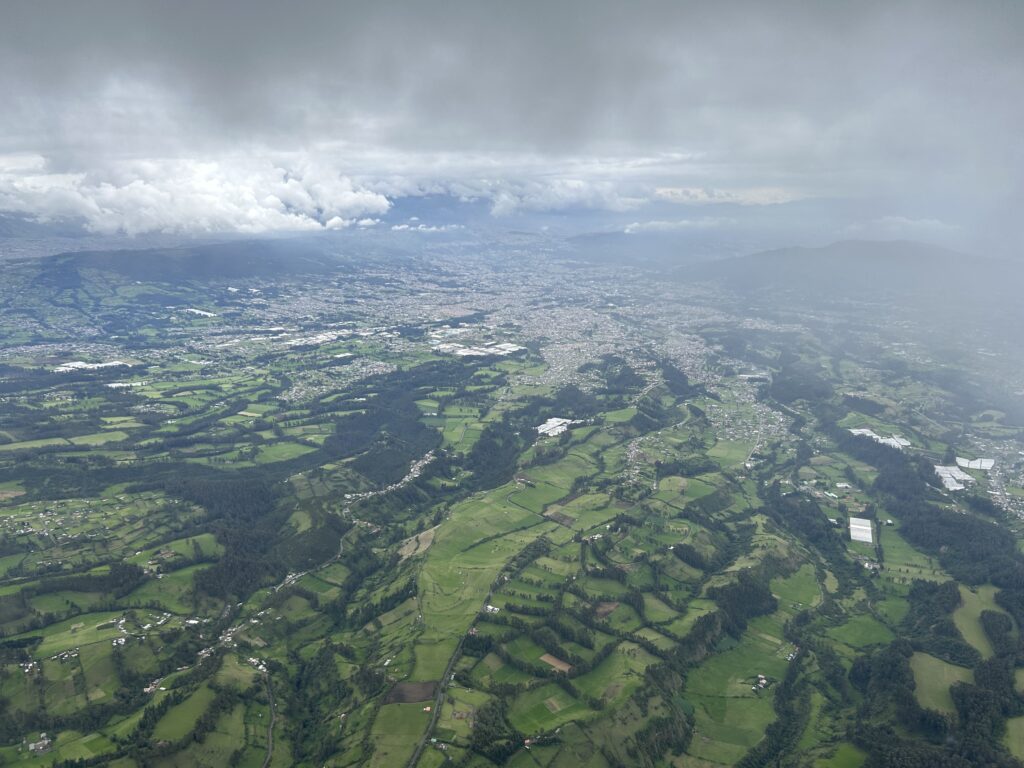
x=415, y=470
x=41, y=746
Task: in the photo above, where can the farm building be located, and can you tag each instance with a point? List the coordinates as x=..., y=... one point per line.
x=860, y=530
x=985, y=464
x=953, y=478
x=554, y=426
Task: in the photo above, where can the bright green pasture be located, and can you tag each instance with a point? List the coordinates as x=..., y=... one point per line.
x=615, y=678
x=181, y=718
x=729, y=716
x=468, y=552
x=903, y=563
x=396, y=731
x=800, y=589
x=933, y=677
x=216, y=749
x=99, y=438
x=456, y=714
x=26, y=444
x=281, y=451
x=173, y=591
x=546, y=708
x=1014, y=738
x=621, y=416
x=861, y=631
x=730, y=453
x=846, y=756
x=967, y=616
x=81, y=630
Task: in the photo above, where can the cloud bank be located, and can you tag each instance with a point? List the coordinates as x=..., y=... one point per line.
x=256, y=116
x=180, y=195
x=706, y=222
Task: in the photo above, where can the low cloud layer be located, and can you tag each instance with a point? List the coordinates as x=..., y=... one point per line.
x=152, y=116
x=188, y=195
x=658, y=225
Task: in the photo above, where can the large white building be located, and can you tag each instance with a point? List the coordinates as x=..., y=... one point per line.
x=895, y=441
x=860, y=530
x=554, y=426
x=952, y=477
x=985, y=464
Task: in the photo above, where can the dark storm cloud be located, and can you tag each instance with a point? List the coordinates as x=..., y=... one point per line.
x=529, y=104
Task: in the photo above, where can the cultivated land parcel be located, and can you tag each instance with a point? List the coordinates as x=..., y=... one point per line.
x=295, y=525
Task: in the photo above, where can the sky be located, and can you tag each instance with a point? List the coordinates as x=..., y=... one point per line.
x=904, y=119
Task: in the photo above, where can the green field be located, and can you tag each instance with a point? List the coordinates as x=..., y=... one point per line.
x=801, y=589
x=967, y=616
x=395, y=731
x=82, y=630
x=845, y=756
x=933, y=678
x=1014, y=738
x=546, y=708
x=861, y=631
x=729, y=716
x=181, y=718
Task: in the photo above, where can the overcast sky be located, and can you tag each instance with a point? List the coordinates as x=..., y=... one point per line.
x=261, y=116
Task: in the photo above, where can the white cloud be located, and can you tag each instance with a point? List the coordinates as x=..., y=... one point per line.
x=903, y=226
x=324, y=188
x=509, y=197
x=425, y=227
x=705, y=195
x=594, y=105
x=241, y=195
x=21, y=163
x=706, y=222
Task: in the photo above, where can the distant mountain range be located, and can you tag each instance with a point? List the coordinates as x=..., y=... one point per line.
x=201, y=262
x=860, y=269
x=248, y=258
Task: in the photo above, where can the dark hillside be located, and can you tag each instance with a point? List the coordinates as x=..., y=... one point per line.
x=949, y=292
x=244, y=259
